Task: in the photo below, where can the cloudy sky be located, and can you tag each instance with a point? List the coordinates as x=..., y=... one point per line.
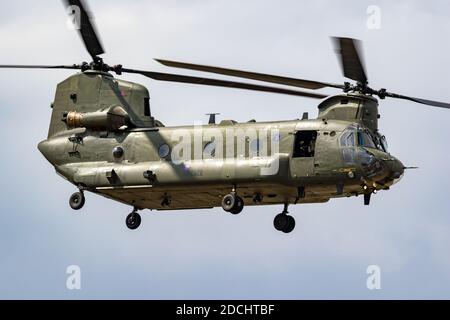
x=209, y=254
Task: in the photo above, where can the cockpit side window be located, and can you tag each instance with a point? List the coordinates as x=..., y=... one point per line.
x=348, y=144
x=348, y=139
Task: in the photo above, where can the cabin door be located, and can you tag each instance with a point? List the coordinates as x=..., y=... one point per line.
x=302, y=160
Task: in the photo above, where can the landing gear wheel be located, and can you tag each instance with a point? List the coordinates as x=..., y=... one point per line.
x=228, y=202
x=281, y=221
x=133, y=220
x=290, y=226
x=77, y=200
x=232, y=203
x=284, y=223
x=238, y=206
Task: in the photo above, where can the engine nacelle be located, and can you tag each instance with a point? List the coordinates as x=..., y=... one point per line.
x=108, y=119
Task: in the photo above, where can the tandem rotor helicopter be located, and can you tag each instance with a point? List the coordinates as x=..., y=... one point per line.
x=103, y=139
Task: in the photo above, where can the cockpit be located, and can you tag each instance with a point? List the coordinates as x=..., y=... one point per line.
x=356, y=135
x=358, y=146
x=361, y=147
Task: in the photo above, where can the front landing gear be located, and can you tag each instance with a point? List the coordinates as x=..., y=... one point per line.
x=77, y=200
x=133, y=220
x=283, y=222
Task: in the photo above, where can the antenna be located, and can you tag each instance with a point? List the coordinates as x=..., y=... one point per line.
x=212, y=117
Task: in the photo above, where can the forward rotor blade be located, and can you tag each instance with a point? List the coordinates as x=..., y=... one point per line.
x=351, y=58
x=419, y=100
x=308, y=84
x=221, y=83
x=17, y=66
x=85, y=25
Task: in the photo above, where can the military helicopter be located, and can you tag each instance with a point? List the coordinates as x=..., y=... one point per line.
x=103, y=139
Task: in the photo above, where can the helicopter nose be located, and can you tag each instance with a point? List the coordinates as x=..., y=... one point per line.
x=395, y=168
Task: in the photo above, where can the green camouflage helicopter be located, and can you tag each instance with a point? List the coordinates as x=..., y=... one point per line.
x=103, y=139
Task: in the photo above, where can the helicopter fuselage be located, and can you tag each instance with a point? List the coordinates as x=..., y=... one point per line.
x=301, y=161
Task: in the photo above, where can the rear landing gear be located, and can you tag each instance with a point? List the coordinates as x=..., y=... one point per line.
x=283, y=222
x=239, y=206
x=77, y=200
x=232, y=203
x=133, y=220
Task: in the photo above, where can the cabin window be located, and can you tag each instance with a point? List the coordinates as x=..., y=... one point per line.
x=255, y=147
x=209, y=151
x=305, y=144
x=118, y=152
x=147, y=107
x=164, y=150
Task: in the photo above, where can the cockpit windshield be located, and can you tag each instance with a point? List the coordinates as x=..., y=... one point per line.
x=364, y=138
x=384, y=143
x=381, y=142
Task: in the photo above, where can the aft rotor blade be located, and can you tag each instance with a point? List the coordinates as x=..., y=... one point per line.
x=84, y=22
x=420, y=100
x=221, y=83
x=349, y=51
x=308, y=84
x=24, y=66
